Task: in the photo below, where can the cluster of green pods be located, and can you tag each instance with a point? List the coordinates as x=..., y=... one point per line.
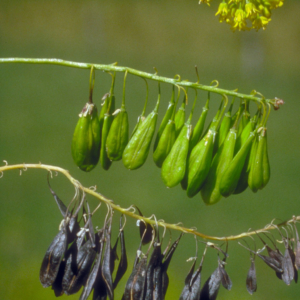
x=223, y=159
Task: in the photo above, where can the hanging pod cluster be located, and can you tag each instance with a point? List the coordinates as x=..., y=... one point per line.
x=223, y=159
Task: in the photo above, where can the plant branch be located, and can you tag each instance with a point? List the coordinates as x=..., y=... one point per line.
x=114, y=68
x=126, y=211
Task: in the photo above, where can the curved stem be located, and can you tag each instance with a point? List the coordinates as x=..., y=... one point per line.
x=114, y=68
x=127, y=212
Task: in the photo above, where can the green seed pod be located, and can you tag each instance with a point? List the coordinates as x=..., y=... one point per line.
x=165, y=144
x=117, y=138
x=245, y=117
x=164, y=122
x=210, y=192
x=251, y=164
x=225, y=126
x=136, y=151
x=230, y=179
x=199, y=163
x=198, y=129
x=104, y=160
x=266, y=164
x=180, y=117
x=173, y=168
x=86, y=139
x=201, y=156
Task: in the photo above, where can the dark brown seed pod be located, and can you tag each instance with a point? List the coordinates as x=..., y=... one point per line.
x=225, y=280
x=145, y=230
x=57, y=284
x=122, y=267
x=185, y=294
x=153, y=263
x=92, y=279
x=297, y=249
x=52, y=259
x=211, y=287
x=135, y=285
x=287, y=266
x=106, y=264
x=77, y=268
x=251, y=284
x=166, y=263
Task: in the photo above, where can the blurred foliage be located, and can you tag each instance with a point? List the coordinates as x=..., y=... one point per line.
x=40, y=106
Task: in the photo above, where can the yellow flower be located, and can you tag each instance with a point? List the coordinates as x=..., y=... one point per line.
x=222, y=11
x=260, y=22
x=239, y=20
x=205, y=1
x=276, y=3
x=250, y=10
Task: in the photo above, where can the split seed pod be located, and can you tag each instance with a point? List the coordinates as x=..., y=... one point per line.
x=117, y=138
x=251, y=284
x=136, y=151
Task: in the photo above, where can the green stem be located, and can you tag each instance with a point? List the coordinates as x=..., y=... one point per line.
x=114, y=68
x=126, y=211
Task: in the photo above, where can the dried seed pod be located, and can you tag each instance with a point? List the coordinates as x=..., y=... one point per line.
x=77, y=268
x=136, y=151
x=117, y=138
x=211, y=287
x=165, y=265
x=153, y=263
x=106, y=264
x=287, y=266
x=297, y=249
x=135, y=285
x=86, y=138
x=225, y=280
x=52, y=259
x=146, y=230
x=122, y=267
x=186, y=290
x=92, y=279
x=251, y=284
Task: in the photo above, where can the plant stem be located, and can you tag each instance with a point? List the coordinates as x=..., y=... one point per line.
x=126, y=211
x=114, y=68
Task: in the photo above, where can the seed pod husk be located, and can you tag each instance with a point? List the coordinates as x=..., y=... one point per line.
x=122, y=267
x=135, y=285
x=225, y=280
x=211, y=190
x=211, y=287
x=165, y=121
x=57, y=284
x=198, y=129
x=153, y=263
x=297, y=248
x=52, y=259
x=77, y=268
x=95, y=270
x=231, y=176
x=251, y=284
x=146, y=230
x=185, y=294
x=86, y=138
x=180, y=117
x=136, y=151
x=106, y=264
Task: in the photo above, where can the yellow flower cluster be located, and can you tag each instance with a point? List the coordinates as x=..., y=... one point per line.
x=246, y=14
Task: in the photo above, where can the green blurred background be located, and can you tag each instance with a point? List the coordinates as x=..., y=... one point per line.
x=40, y=105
